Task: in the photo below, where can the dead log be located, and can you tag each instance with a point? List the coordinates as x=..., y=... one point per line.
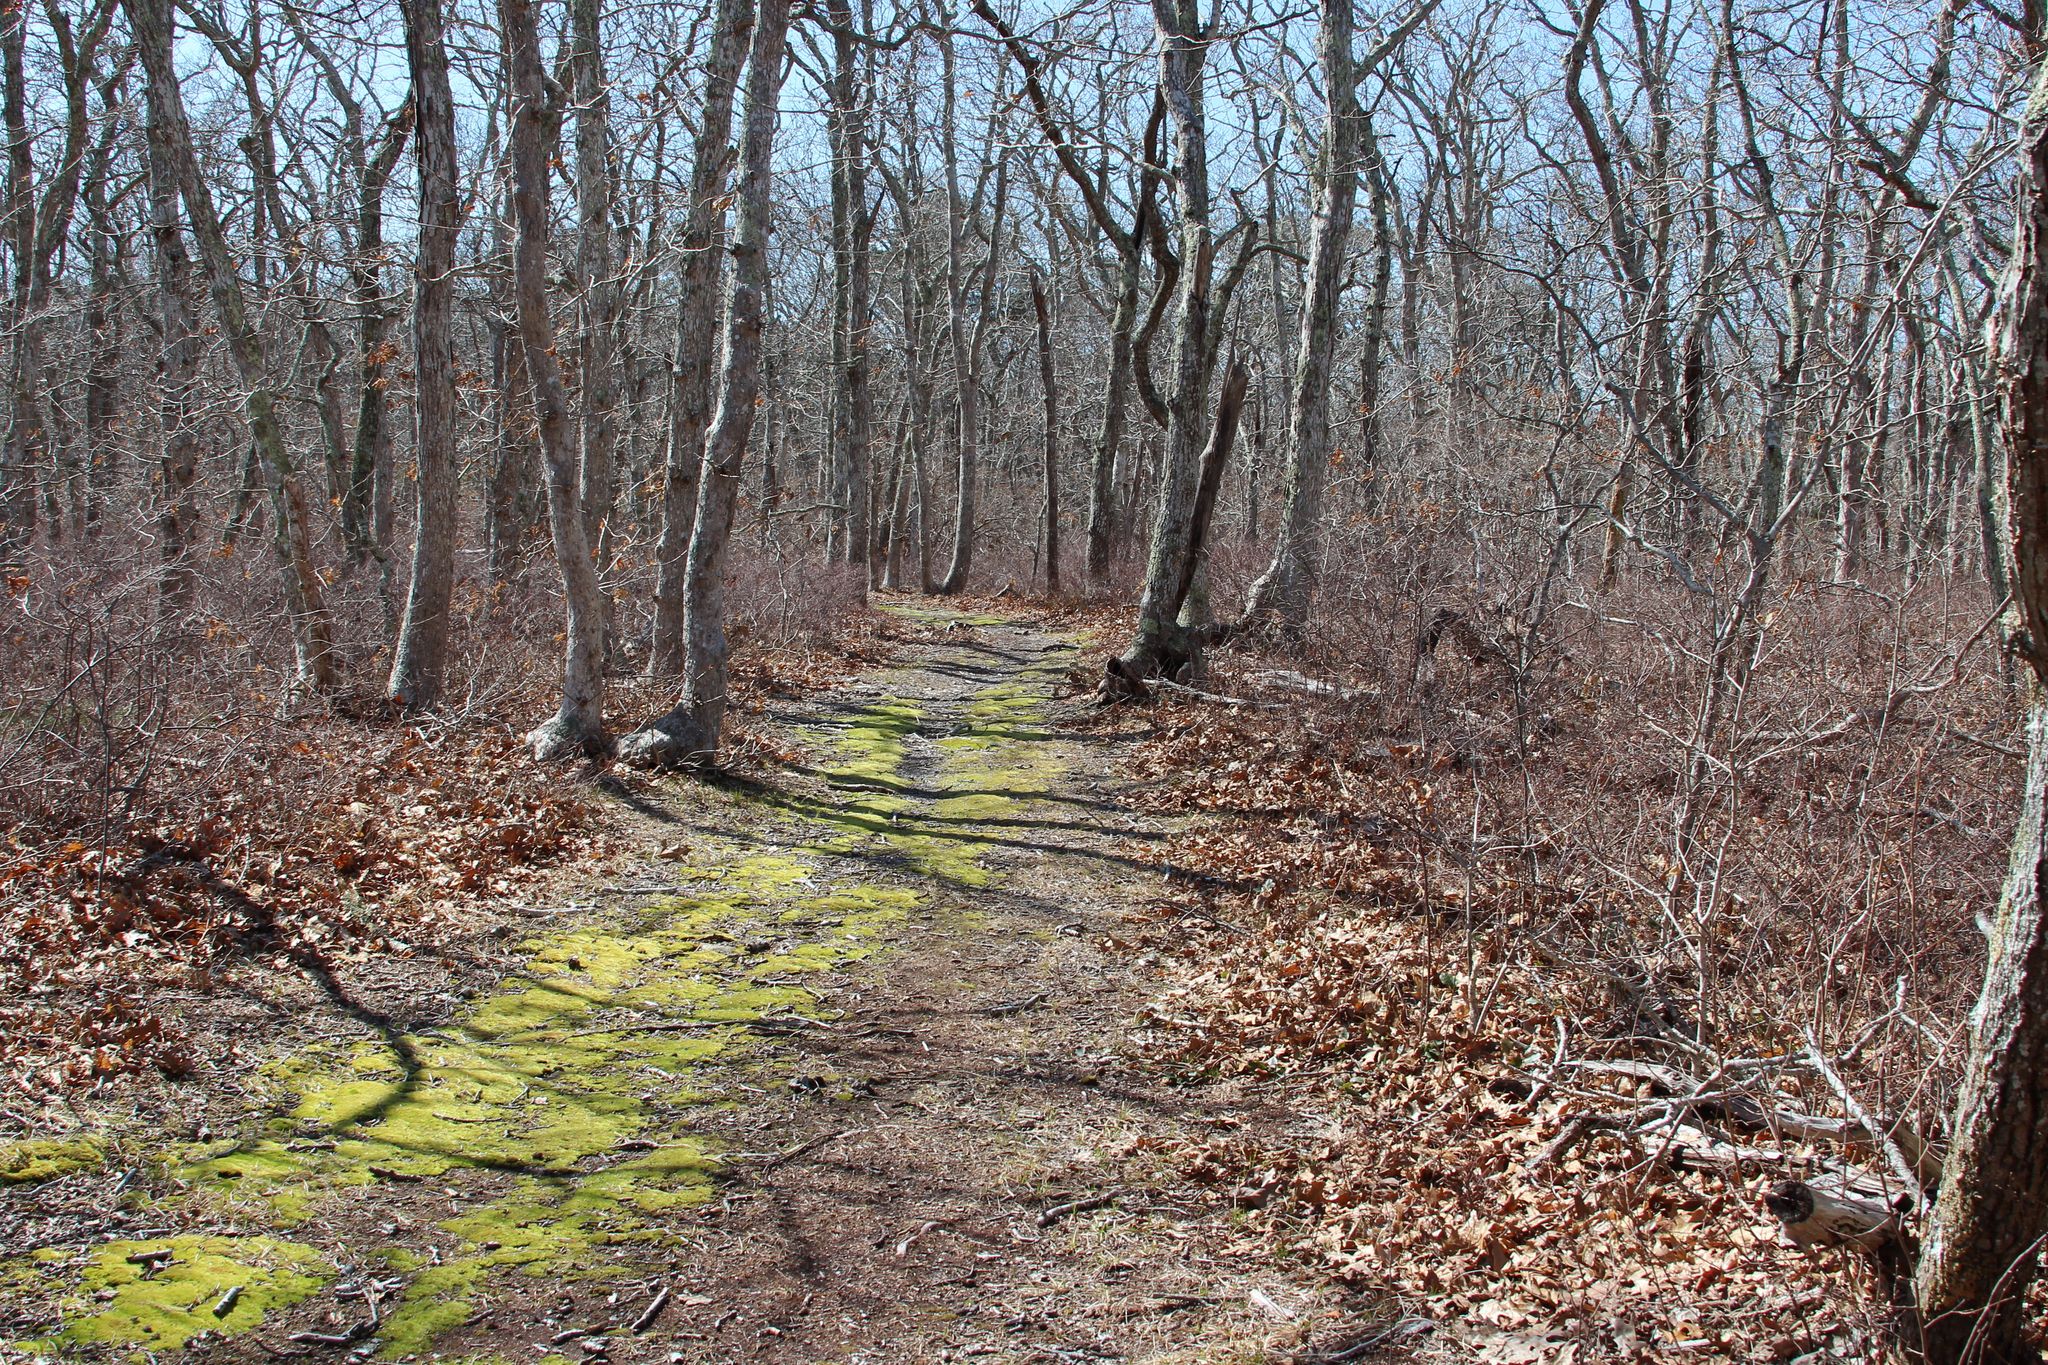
x=1286, y=679
x=1815, y=1217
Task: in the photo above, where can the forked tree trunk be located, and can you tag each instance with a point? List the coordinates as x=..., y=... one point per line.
x=967, y=342
x=578, y=726
x=312, y=631
x=420, y=655
x=696, y=334
x=1982, y=1243
x=690, y=733
x=1160, y=644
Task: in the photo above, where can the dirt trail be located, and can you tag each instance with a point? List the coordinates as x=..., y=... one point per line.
x=838, y=1071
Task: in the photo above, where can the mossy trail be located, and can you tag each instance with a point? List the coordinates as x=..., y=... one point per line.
x=391, y=1192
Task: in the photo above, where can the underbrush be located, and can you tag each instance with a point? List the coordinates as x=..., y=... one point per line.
x=1560, y=984
x=176, y=821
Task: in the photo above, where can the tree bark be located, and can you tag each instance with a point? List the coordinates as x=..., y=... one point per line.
x=690, y=733
x=1281, y=595
x=1160, y=643
x=967, y=342
x=696, y=332
x=177, y=369
x=370, y=455
x=1982, y=1243
x=1048, y=382
x=578, y=726
x=419, y=657
x=598, y=394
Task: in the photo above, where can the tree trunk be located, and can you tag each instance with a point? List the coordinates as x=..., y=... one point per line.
x=1049, y=384
x=598, y=416
x=696, y=333
x=578, y=726
x=178, y=367
x=312, y=632
x=508, y=496
x=967, y=342
x=419, y=657
x=22, y=454
x=1281, y=595
x=690, y=733
x=856, y=224
x=1160, y=644
x=1982, y=1242
x=370, y=457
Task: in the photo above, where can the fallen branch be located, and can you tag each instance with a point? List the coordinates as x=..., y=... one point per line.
x=1067, y=1210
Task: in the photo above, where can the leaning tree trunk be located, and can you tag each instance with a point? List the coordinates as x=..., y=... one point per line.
x=419, y=658
x=690, y=732
x=578, y=726
x=1281, y=595
x=305, y=604
x=696, y=334
x=1983, y=1241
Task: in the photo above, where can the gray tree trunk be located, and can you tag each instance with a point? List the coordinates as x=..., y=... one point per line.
x=598, y=415
x=855, y=221
x=1160, y=643
x=178, y=367
x=578, y=726
x=419, y=657
x=690, y=733
x=371, y=452
x=967, y=342
x=1049, y=383
x=1281, y=595
x=696, y=333
x=1982, y=1243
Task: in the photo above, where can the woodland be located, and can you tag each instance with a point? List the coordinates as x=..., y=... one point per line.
x=1492, y=556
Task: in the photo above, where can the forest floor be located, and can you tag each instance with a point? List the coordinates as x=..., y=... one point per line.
x=836, y=1062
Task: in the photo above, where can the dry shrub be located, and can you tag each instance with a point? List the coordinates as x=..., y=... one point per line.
x=1451, y=918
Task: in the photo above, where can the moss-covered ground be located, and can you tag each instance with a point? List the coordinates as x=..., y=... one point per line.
x=551, y=1121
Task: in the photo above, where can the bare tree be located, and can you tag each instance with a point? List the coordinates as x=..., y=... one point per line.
x=578, y=725
x=690, y=387
x=690, y=733
x=312, y=631
x=419, y=658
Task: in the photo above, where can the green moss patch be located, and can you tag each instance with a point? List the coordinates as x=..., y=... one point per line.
x=25, y=1163
x=158, y=1295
